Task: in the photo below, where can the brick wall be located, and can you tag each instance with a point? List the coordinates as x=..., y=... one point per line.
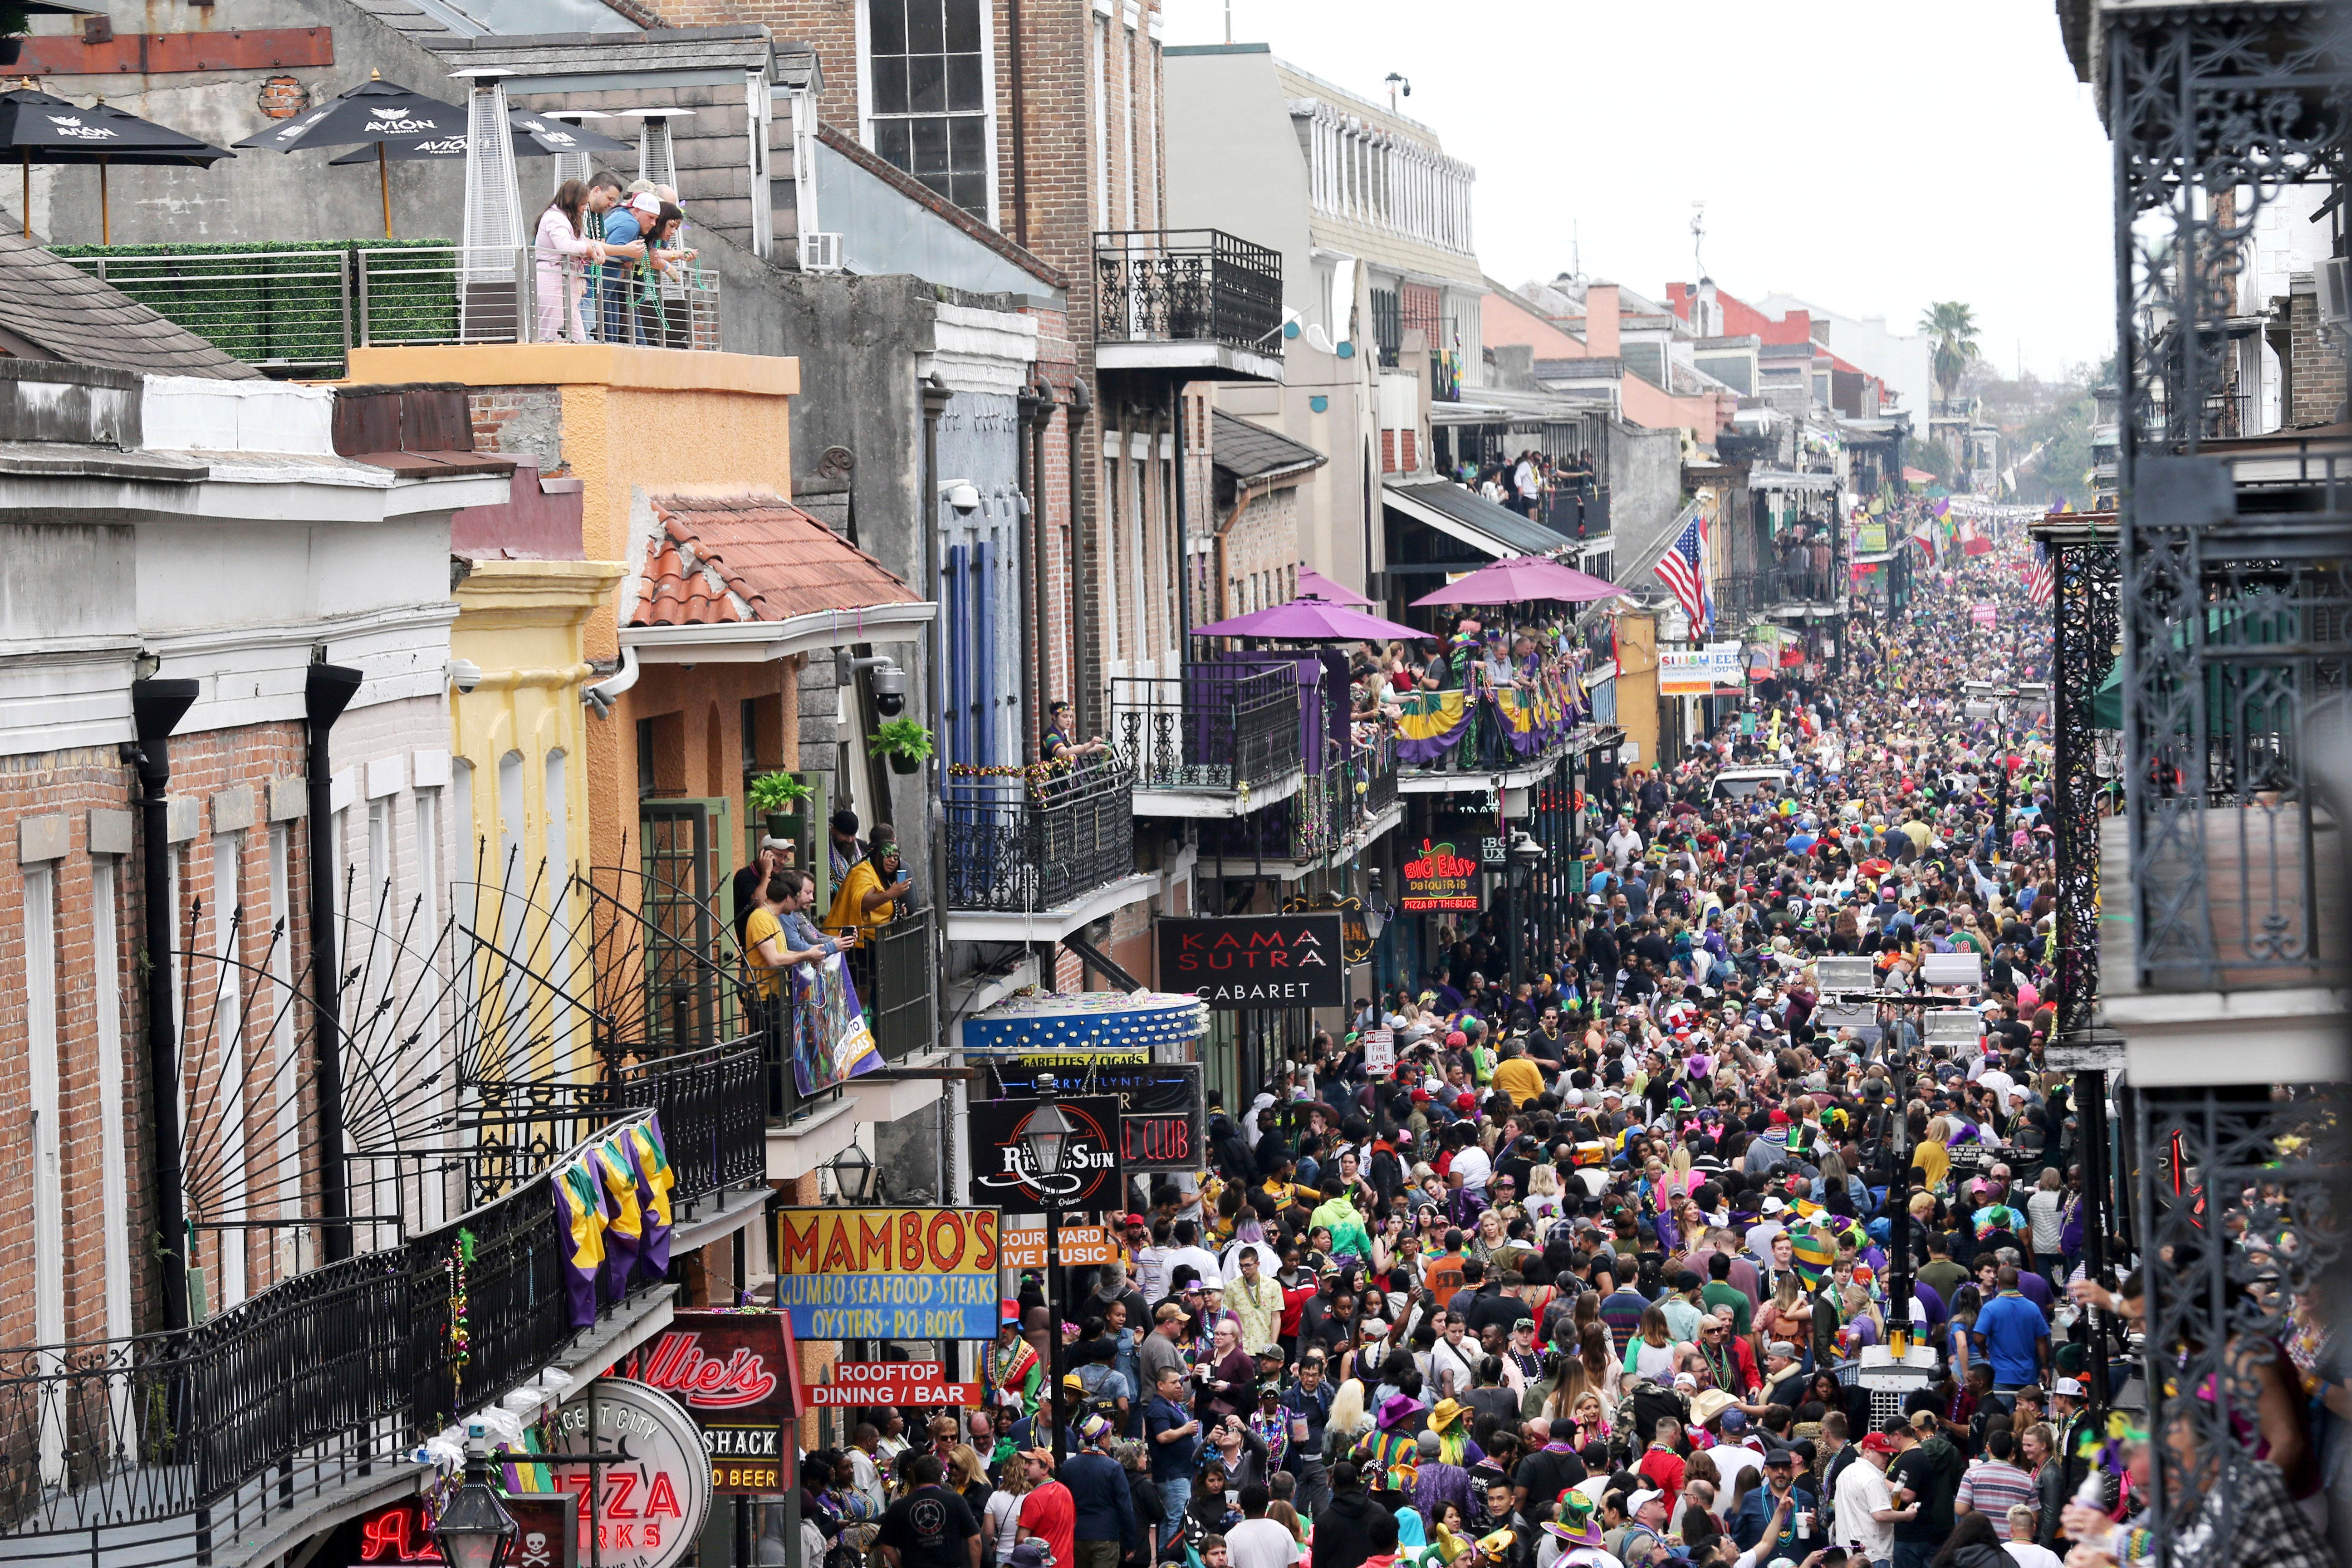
x=2316, y=373
x=521, y=421
x=1261, y=558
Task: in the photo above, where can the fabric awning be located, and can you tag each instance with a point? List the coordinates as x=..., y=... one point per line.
x=1465, y=515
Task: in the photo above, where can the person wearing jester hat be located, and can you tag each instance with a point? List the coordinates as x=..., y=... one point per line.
x=1575, y=1536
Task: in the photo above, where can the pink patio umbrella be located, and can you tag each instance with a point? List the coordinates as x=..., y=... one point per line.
x=1313, y=584
x=1309, y=620
x=1519, y=579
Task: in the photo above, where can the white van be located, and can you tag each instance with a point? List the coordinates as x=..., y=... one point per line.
x=1741, y=784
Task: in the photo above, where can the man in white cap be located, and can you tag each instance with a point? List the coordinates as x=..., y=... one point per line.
x=1642, y=1539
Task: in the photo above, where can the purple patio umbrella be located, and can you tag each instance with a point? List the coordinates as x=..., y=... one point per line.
x=1309, y=620
x=1313, y=584
x=1519, y=579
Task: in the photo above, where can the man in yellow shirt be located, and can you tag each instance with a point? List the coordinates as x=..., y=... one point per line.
x=1518, y=1075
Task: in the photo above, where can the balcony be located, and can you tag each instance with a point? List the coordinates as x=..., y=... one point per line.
x=1775, y=589
x=236, y=1439
x=1335, y=812
x=1197, y=302
x=1482, y=738
x=1033, y=854
x=300, y=312
x=1220, y=740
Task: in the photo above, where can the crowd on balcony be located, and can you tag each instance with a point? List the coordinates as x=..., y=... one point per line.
x=609, y=260
x=1530, y=483
x=1586, y=1277
x=1488, y=687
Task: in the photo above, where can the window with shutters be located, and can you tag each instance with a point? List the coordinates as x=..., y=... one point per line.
x=927, y=99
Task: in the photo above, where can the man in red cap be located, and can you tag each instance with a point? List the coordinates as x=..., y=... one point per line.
x=1864, y=1506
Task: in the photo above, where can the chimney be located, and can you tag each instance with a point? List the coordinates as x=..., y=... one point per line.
x=1601, y=320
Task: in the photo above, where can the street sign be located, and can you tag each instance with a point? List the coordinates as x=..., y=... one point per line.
x=1242, y=962
x=1163, y=1118
x=735, y=1374
x=1083, y=1246
x=1380, y=1051
x=888, y=1273
x=1003, y=1170
x=1439, y=878
x=858, y=1385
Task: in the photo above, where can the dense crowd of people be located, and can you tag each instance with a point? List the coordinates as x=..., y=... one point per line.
x=1587, y=1278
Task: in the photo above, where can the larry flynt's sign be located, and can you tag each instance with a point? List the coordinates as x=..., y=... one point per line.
x=1002, y=1167
x=1242, y=962
x=1439, y=878
x=888, y=1274
x=734, y=1373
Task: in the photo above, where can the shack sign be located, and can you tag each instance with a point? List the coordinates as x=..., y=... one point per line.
x=736, y=1374
x=1004, y=1171
x=1242, y=962
x=1438, y=879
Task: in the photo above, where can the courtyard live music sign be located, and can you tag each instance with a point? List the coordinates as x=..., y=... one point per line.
x=1438, y=879
x=737, y=1375
x=1242, y=962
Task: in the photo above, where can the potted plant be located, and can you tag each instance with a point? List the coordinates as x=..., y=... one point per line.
x=15, y=21
x=780, y=797
x=905, y=743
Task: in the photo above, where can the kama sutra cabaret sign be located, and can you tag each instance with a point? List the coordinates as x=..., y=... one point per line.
x=1438, y=879
x=736, y=1374
x=1242, y=962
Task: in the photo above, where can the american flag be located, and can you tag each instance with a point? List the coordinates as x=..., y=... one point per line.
x=1682, y=569
x=2041, y=579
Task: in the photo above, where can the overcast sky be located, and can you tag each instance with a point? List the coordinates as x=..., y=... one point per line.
x=1866, y=155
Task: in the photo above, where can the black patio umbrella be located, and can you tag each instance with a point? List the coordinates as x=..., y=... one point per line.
x=375, y=112
x=535, y=136
x=42, y=128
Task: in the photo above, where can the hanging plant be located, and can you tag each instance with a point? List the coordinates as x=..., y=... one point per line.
x=15, y=21
x=903, y=743
x=780, y=797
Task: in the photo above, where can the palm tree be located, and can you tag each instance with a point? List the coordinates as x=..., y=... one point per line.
x=1953, y=326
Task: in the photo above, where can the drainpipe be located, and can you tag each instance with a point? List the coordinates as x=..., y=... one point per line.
x=1025, y=407
x=1081, y=404
x=1242, y=496
x=1041, y=418
x=1020, y=125
x=927, y=534
x=326, y=690
x=1183, y=545
x=156, y=709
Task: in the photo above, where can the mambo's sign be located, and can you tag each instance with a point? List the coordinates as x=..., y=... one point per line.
x=870, y=1384
x=888, y=1274
x=1438, y=879
x=1256, y=960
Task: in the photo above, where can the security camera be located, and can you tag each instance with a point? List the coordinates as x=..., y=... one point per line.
x=465, y=674
x=889, y=683
x=963, y=495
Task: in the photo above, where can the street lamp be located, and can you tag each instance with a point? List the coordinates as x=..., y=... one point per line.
x=1046, y=1134
x=853, y=1175
x=475, y=1530
x=1526, y=854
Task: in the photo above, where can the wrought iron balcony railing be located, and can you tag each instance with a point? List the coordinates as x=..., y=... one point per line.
x=1217, y=727
x=1022, y=842
x=1198, y=285
x=1759, y=592
x=164, y=1447
x=897, y=984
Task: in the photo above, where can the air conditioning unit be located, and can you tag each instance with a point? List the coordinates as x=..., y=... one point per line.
x=2336, y=291
x=820, y=253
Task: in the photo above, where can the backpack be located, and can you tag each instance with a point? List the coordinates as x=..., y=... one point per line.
x=1097, y=1401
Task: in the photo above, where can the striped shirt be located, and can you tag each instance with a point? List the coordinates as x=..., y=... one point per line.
x=1993, y=1488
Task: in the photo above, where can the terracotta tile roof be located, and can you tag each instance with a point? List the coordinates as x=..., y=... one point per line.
x=754, y=558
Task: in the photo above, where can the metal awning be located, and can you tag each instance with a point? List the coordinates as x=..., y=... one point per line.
x=1782, y=479
x=1463, y=514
